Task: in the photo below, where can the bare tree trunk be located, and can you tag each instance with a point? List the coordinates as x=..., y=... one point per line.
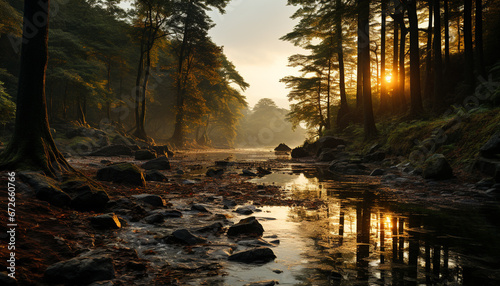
x=402, y=68
x=428, y=58
x=32, y=146
x=364, y=29
x=479, y=38
x=416, y=107
x=446, y=36
x=344, y=107
x=438, y=60
x=384, y=100
x=395, y=69
x=469, y=56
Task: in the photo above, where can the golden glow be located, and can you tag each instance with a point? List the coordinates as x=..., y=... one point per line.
x=388, y=78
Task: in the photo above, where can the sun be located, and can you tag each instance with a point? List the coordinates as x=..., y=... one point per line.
x=388, y=78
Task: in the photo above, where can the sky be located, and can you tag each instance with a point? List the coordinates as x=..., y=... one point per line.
x=250, y=32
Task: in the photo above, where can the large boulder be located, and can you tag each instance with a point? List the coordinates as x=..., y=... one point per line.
x=85, y=196
x=255, y=255
x=160, y=163
x=80, y=271
x=437, y=167
x=113, y=150
x=46, y=189
x=327, y=155
x=330, y=142
x=300, y=152
x=142, y=155
x=377, y=156
x=247, y=226
x=155, y=176
x=282, y=148
x=122, y=173
x=491, y=148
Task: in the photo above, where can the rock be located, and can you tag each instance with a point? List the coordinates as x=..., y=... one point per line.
x=247, y=226
x=330, y=142
x=224, y=163
x=282, y=148
x=160, y=163
x=154, y=218
x=245, y=210
x=374, y=148
x=200, y=208
x=153, y=200
x=255, y=255
x=6, y=280
x=112, y=150
x=90, y=200
x=184, y=236
x=228, y=203
x=485, y=184
x=248, y=173
x=155, y=176
x=142, y=155
x=491, y=148
x=46, y=189
x=171, y=213
x=493, y=192
x=487, y=166
x=80, y=271
x=180, y=172
x=127, y=173
x=215, y=228
x=300, y=152
x=214, y=173
x=136, y=266
x=122, y=140
x=377, y=172
x=374, y=157
x=327, y=155
x=262, y=172
x=437, y=167
x=105, y=221
x=258, y=242
x=164, y=150
x=263, y=283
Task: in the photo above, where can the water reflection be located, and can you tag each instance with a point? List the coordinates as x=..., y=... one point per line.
x=365, y=239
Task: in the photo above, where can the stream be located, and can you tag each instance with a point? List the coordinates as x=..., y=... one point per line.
x=358, y=236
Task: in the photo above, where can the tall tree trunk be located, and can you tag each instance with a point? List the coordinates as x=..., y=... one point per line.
x=32, y=146
x=459, y=37
x=384, y=100
x=328, y=94
x=402, y=68
x=344, y=107
x=469, y=56
x=446, y=23
x=364, y=47
x=320, y=109
x=359, y=73
x=395, y=68
x=428, y=57
x=479, y=38
x=438, y=60
x=416, y=107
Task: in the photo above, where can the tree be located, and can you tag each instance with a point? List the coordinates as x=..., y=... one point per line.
x=469, y=56
x=479, y=38
x=192, y=25
x=384, y=100
x=416, y=107
x=32, y=145
x=364, y=48
x=438, y=60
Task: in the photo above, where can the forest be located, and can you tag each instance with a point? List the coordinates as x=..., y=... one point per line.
x=130, y=155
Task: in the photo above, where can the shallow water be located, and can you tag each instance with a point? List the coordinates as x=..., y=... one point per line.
x=360, y=237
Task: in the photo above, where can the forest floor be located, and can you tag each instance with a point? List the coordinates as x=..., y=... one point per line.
x=48, y=234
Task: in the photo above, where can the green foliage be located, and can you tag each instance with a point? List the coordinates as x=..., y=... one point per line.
x=10, y=20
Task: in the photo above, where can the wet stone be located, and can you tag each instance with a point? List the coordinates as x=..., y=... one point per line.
x=184, y=236
x=6, y=280
x=160, y=163
x=112, y=150
x=377, y=172
x=142, y=155
x=263, y=283
x=155, y=176
x=248, y=226
x=105, y=221
x=122, y=173
x=149, y=199
x=80, y=271
x=154, y=218
x=246, y=210
x=200, y=208
x=255, y=255
x=248, y=173
x=228, y=203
